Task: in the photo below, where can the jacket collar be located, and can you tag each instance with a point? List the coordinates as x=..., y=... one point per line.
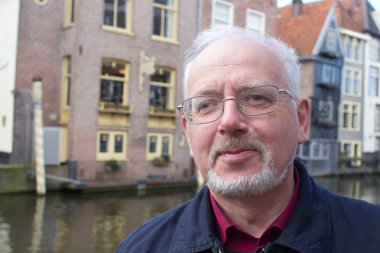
x=308, y=229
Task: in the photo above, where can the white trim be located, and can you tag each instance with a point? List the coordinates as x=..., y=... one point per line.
x=262, y=19
x=230, y=14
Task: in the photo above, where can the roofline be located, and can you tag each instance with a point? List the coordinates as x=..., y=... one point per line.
x=354, y=34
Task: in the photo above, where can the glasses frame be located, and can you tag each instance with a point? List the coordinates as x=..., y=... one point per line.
x=223, y=100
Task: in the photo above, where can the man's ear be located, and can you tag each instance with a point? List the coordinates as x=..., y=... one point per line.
x=303, y=110
x=185, y=130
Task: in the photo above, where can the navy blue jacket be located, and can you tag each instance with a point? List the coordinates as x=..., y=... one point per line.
x=321, y=222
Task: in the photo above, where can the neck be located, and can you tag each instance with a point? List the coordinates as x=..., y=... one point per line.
x=254, y=214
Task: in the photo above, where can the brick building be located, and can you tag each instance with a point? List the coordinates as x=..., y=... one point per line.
x=111, y=79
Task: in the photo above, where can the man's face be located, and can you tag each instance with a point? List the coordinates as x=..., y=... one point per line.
x=237, y=147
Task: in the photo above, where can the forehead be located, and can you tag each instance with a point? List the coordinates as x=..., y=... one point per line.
x=234, y=59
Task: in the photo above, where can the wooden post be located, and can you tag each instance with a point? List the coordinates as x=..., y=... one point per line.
x=39, y=136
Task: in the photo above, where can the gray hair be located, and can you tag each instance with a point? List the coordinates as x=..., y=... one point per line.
x=286, y=54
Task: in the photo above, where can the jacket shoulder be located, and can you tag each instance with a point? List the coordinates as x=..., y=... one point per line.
x=155, y=234
x=356, y=217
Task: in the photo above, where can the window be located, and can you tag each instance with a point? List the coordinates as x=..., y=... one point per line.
x=159, y=145
x=114, y=82
x=373, y=89
x=347, y=81
x=350, y=116
x=326, y=111
x=331, y=43
x=65, y=89
x=348, y=48
x=352, y=81
x=69, y=13
x=161, y=94
x=118, y=14
x=222, y=13
x=314, y=149
x=329, y=74
x=353, y=49
x=377, y=118
x=165, y=19
x=351, y=150
x=255, y=22
x=375, y=50
x=112, y=145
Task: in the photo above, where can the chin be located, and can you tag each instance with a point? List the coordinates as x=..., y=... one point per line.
x=245, y=185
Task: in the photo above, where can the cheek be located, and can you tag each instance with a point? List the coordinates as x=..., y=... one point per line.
x=200, y=139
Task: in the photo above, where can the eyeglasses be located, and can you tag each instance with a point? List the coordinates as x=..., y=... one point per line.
x=253, y=101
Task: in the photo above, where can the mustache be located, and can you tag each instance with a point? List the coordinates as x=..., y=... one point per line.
x=231, y=144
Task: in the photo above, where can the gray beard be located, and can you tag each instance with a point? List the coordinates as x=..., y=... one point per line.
x=242, y=186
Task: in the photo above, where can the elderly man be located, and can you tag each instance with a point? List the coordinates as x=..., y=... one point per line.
x=243, y=121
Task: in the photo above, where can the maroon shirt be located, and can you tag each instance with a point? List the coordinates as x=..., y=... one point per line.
x=233, y=237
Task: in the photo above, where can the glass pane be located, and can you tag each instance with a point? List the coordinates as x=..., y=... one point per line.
x=113, y=68
x=158, y=96
x=68, y=83
x=165, y=146
x=161, y=76
x=377, y=118
x=72, y=11
x=156, y=21
x=108, y=12
x=121, y=13
x=373, y=81
x=118, y=143
x=168, y=24
x=152, y=144
x=103, y=145
x=111, y=91
x=222, y=11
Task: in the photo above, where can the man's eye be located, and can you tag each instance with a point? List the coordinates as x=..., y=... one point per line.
x=207, y=105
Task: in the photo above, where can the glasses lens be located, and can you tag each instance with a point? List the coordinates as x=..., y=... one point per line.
x=259, y=100
x=202, y=109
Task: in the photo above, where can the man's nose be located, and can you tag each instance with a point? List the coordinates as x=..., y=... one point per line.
x=232, y=122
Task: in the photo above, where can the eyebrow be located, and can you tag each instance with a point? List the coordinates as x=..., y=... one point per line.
x=207, y=93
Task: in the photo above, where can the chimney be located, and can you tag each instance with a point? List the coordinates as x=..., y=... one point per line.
x=297, y=7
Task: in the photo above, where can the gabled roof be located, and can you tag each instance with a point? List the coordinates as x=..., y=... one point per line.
x=303, y=30
x=355, y=15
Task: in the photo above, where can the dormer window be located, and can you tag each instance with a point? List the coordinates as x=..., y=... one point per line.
x=331, y=41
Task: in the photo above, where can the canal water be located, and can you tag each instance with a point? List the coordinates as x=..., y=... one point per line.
x=62, y=222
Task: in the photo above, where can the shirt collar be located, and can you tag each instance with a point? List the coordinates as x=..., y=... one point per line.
x=223, y=223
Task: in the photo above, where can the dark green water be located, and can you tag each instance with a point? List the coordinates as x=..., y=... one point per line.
x=98, y=222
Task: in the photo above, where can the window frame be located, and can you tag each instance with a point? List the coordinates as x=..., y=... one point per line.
x=111, y=154
x=214, y=19
x=355, y=151
x=128, y=18
x=174, y=26
x=124, y=80
x=350, y=74
x=313, y=146
x=66, y=84
x=170, y=86
x=373, y=91
x=348, y=112
x=69, y=13
x=150, y=156
x=377, y=118
x=262, y=19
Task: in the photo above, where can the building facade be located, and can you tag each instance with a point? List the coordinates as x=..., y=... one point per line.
x=111, y=79
x=318, y=43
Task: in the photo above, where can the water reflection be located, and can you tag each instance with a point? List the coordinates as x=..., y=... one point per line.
x=366, y=187
x=76, y=223
x=98, y=222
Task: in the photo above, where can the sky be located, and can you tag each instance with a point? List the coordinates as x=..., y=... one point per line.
x=282, y=3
